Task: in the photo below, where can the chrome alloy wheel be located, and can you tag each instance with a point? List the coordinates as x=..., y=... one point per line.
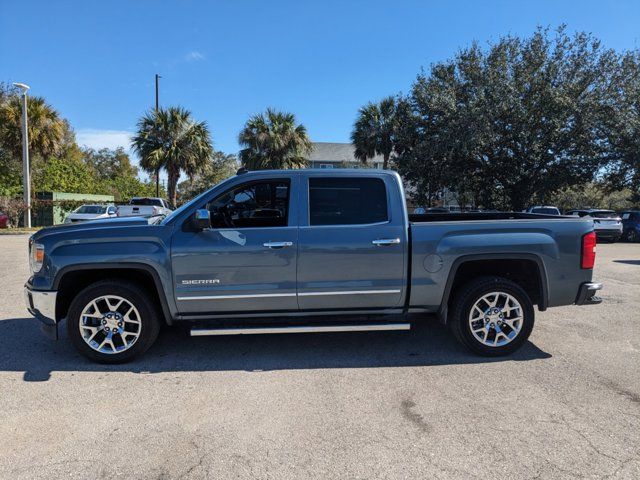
x=496, y=319
x=110, y=324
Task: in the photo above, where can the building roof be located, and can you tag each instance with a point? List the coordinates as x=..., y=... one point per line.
x=336, y=152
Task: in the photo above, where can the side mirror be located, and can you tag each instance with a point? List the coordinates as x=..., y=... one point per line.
x=201, y=219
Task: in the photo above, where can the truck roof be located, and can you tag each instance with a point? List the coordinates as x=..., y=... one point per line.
x=324, y=171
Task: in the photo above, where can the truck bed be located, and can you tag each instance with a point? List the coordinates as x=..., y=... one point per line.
x=452, y=217
x=439, y=240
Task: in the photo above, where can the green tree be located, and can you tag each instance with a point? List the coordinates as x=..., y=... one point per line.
x=621, y=117
x=7, y=91
x=123, y=188
x=46, y=137
x=69, y=174
x=46, y=129
x=374, y=132
x=591, y=195
x=514, y=123
x=273, y=140
x=10, y=176
x=109, y=163
x=220, y=167
x=171, y=139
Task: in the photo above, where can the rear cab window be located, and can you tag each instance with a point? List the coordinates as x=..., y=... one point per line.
x=149, y=202
x=347, y=201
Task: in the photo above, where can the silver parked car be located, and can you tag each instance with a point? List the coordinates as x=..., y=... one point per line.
x=606, y=223
x=91, y=212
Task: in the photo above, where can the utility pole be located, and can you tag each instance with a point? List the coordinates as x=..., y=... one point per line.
x=26, y=182
x=157, y=170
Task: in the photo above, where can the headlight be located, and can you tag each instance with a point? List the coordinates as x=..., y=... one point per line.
x=36, y=258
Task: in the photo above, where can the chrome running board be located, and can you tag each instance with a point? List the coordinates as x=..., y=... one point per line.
x=198, y=332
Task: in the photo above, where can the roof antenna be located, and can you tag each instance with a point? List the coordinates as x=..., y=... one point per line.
x=242, y=171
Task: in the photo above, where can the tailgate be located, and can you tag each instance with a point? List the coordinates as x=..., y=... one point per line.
x=135, y=210
x=606, y=223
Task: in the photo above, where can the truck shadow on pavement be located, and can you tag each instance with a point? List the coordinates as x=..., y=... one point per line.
x=23, y=348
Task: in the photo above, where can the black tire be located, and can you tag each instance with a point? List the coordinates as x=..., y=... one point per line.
x=136, y=296
x=464, y=300
x=631, y=236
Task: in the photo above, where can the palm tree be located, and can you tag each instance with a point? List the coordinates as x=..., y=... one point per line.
x=47, y=130
x=170, y=139
x=274, y=141
x=374, y=132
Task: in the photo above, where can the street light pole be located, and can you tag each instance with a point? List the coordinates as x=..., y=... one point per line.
x=26, y=182
x=157, y=170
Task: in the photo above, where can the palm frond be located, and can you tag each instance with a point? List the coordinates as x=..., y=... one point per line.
x=273, y=140
x=172, y=140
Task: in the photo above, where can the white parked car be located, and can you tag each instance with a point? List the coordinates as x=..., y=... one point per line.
x=606, y=223
x=144, y=207
x=91, y=212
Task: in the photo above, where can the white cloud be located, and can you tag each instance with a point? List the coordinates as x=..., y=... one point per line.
x=97, y=139
x=194, y=56
x=112, y=139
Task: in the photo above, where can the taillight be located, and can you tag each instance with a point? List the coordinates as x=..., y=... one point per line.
x=588, y=250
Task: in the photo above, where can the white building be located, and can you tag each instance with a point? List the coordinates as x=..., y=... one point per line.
x=339, y=155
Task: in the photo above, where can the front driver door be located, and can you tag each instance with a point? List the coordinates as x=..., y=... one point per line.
x=247, y=260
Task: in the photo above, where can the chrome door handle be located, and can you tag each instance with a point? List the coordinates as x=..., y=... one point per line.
x=277, y=244
x=385, y=242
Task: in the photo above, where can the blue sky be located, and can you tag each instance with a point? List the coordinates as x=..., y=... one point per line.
x=95, y=61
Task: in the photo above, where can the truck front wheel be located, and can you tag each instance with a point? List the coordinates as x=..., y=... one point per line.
x=112, y=321
x=492, y=316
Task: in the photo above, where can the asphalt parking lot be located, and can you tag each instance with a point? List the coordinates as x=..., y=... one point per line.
x=356, y=405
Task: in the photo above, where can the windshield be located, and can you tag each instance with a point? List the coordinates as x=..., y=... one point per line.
x=146, y=201
x=546, y=211
x=191, y=202
x=95, y=209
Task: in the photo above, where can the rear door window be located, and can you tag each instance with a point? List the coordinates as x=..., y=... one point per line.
x=347, y=201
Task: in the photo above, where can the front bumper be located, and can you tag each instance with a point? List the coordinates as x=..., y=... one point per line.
x=42, y=305
x=587, y=294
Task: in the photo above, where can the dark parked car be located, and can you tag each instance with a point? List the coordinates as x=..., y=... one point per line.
x=606, y=223
x=631, y=225
x=4, y=219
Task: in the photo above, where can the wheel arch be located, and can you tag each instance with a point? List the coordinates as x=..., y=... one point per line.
x=72, y=278
x=468, y=267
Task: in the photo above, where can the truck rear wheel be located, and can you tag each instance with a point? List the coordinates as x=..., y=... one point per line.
x=492, y=316
x=112, y=321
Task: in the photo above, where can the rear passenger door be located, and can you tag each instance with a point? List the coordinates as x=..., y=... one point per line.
x=351, y=244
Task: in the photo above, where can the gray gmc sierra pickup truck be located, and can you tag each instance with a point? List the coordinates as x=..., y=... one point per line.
x=306, y=251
